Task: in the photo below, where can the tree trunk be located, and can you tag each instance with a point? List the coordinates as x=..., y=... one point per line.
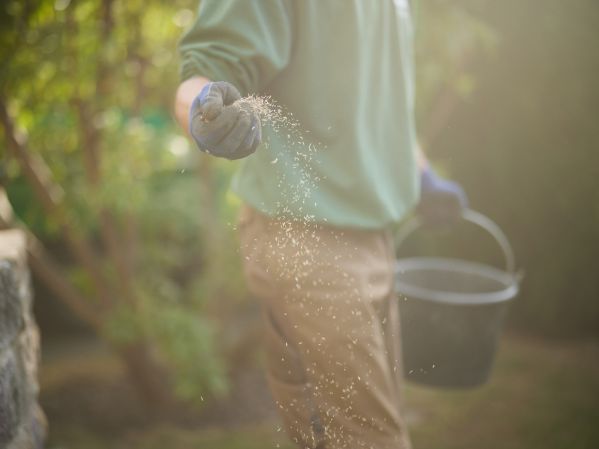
x=150, y=378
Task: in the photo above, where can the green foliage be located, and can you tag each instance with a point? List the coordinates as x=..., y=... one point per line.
x=449, y=36
x=184, y=342
x=188, y=346
x=91, y=84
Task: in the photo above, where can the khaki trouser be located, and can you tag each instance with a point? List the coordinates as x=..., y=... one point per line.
x=332, y=339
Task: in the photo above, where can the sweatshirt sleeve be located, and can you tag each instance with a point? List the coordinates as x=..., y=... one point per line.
x=244, y=42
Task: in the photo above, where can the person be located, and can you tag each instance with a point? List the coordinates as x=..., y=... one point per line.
x=321, y=194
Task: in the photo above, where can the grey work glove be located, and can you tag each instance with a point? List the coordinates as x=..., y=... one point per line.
x=221, y=125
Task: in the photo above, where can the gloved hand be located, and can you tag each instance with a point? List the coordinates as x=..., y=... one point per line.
x=222, y=126
x=441, y=201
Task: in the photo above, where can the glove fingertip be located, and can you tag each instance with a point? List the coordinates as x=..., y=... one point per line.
x=229, y=92
x=210, y=109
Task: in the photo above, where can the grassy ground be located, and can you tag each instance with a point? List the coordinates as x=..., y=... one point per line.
x=542, y=395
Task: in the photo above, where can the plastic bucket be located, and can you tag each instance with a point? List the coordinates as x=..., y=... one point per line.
x=451, y=312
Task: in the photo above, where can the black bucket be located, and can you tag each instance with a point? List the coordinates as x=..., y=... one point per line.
x=452, y=311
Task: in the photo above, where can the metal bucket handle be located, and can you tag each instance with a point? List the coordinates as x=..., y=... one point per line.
x=473, y=217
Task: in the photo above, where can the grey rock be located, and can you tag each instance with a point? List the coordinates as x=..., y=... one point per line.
x=11, y=311
x=6, y=214
x=28, y=348
x=32, y=432
x=11, y=397
x=22, y=422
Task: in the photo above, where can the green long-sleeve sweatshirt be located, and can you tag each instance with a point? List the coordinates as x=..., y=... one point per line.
x=344, y=69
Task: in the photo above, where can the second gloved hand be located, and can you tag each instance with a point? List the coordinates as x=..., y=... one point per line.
x=441, y=201
x=223, y=126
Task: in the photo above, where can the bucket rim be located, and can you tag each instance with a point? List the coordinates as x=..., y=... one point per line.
x=508, y=280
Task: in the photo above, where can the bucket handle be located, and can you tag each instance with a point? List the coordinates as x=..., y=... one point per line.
x=473, y=217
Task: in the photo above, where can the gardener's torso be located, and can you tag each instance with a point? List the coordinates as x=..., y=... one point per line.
x=344, y=69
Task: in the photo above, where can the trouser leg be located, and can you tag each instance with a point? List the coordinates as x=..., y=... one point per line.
x=327, y=295
x=290, y=387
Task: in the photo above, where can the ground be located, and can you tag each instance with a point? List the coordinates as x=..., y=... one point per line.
x=542, y=394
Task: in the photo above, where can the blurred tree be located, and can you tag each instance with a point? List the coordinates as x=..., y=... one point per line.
x=450, y=38
x=92, y=158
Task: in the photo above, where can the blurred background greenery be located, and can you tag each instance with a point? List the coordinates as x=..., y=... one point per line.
x=136, y=255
